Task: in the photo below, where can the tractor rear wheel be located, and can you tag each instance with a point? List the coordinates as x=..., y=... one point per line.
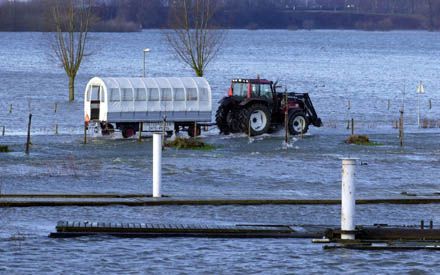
x=298, y=123
x=227, y=120
x=221, y=119
x=256, y=119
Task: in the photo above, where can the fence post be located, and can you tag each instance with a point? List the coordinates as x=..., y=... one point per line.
x=157, y=164
x=85, y=132
x=401, y=133
x=141, y=128
x=28, y=141
x=352, y=126
x=286, y=118
x=348, y=199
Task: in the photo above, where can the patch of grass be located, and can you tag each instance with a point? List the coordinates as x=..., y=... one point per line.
x=189, y=143
x=361, y=140
x=4, y=149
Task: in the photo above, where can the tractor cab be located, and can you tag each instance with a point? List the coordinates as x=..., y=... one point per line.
x=252, y=88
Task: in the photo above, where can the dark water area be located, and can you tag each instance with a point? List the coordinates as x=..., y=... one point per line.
x=366, y=68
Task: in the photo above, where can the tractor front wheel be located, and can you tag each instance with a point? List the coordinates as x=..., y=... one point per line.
x=298, y=124
x=255, y=119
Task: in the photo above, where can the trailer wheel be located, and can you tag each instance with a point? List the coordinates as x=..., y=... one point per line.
x=128, y=132
x=107, y=129
x=256, y=119
x=298, y=123
x=191, y=131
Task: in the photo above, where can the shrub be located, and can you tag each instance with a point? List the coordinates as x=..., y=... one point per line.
x=4, y=149
x=188, y=143
x=359, y=140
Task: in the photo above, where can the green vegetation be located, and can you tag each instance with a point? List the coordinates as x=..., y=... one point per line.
x=4, y=149
x=360, y=140
x=188, y=143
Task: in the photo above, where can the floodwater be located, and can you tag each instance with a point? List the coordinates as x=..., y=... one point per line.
x=364, y=75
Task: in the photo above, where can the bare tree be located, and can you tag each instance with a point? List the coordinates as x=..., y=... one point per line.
x=193, y=37
x=71, y=19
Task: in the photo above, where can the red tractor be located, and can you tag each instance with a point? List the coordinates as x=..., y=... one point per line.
x=255, y=107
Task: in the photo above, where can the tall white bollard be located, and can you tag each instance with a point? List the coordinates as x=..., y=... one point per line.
x=348, y=198
x=157, y=164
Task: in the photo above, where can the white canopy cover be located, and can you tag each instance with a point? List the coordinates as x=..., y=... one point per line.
x=143, y=99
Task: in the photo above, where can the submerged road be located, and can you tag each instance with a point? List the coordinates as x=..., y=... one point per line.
x=36, y=200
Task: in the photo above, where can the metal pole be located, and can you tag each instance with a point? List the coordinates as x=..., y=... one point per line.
x=157, y=164
x=348, y=199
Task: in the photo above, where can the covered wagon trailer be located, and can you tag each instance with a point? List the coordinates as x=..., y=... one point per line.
x=148, y=104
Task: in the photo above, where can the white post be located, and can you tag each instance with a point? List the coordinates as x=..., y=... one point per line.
x=420, y=90
x=348, y=198
x=157, y=164
x=418, y=110
x=145, y=53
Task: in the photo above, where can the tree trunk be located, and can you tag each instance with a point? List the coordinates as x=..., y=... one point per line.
x=431, y=16
x=199, y=72
x=71, y=88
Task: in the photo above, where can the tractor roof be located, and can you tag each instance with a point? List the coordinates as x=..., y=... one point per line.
x=253, y=81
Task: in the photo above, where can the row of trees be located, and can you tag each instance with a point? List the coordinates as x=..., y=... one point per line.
x=132, y=15
x=193, y=36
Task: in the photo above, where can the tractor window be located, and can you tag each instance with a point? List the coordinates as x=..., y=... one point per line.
x=265, y=90
x=240, y=89
x=255, y=90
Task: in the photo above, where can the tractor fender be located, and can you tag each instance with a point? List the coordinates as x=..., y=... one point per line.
x=228, y=100
x=295, y=110
x=253, y=101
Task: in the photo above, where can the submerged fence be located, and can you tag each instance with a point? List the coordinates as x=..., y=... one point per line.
x=55, y=118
